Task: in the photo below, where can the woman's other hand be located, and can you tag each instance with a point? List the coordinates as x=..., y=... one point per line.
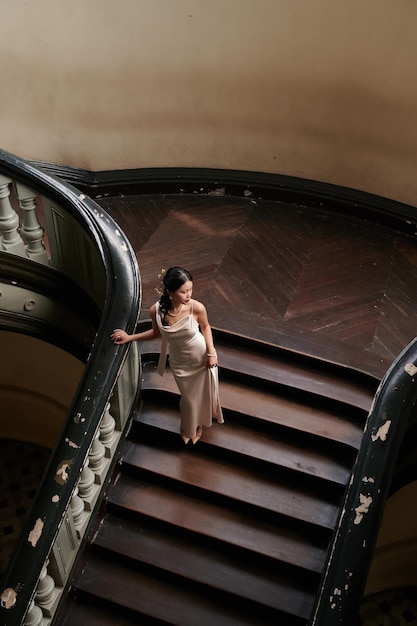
x=212, y=361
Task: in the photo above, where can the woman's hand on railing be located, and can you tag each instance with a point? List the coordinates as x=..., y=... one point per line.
x=119, y=336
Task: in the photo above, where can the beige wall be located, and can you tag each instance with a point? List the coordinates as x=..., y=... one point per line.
x=395, y=557
x=38, y=382
x=323, y=90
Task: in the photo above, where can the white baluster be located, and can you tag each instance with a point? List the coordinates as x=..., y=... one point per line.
x=45, y=591
x=96, y=457
x=77, y=509
x=107, y=431
x=87, y=488
x=11, y=241
x=34, y=615
x=32, y=229
x=47, y=595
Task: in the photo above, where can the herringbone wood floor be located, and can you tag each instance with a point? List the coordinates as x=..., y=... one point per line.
x=322, y=283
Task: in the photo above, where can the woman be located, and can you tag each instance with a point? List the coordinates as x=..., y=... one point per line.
x=183, y=324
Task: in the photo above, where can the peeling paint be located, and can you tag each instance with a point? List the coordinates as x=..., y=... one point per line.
x=55, y=498
x=8, y=598
x=336, y=592
x=382, y=432
x=71, y=443
x=363, y=508
x=369, y=479
x=61, y=475
x=82, y=196
x=36, y=533
x=410, y=369
x=77, y=418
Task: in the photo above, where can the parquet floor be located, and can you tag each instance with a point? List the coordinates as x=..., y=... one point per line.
x=319, y=282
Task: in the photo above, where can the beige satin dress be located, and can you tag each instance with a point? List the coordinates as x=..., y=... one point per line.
x=198, y=384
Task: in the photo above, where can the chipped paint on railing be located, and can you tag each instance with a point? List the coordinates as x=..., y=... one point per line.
x=410, y=369
x=61, y=475
x=382, y=431
x=8, y=598
x=71, y=443
x=36, y=533
x=368, y=479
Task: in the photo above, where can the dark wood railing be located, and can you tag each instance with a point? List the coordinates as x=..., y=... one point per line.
x=351, y=552
x=86, y=247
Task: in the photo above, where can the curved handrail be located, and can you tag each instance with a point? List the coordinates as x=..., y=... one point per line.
x=356, y=533
x=104, y=364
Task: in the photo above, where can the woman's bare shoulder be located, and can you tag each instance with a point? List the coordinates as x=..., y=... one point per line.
x=199, y=308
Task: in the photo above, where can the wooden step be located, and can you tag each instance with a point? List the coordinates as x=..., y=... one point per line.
x=271, y=408
x=286, y=369
x=310, y=456
x=258, y=487
x=210, y=563
x=170, y=599
x=84, y=608
x=286, y=541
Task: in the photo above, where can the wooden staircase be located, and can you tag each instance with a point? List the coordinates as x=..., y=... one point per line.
x=233, y=530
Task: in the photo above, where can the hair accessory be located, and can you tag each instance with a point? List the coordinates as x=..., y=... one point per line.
x=160, y=290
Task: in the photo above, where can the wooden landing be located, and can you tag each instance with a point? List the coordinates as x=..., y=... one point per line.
x=317, y=282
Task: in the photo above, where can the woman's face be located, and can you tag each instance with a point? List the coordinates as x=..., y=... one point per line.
x=183, y=294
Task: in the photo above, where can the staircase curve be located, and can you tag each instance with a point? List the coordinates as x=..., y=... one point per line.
x=270, y=518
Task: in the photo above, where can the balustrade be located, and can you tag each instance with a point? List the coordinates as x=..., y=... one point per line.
x=83, y=501
x=79, y=242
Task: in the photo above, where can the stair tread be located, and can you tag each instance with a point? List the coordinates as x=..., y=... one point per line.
x=278, y=369
x=92, y=613
x=233, y=573
x=236, y=529
x=273, y=409
x=238, y=439
x=212, y=520
x=249, y=486
x=164, y=599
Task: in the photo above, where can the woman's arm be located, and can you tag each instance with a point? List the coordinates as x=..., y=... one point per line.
x=202, y=319
x=120, y=336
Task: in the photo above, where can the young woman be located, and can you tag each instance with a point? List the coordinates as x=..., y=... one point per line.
x=183, y=325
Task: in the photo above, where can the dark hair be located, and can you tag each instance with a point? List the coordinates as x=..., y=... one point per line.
x=172, y=280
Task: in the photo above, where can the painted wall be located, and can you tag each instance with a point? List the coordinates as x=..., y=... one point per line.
x=395, y=556
x=322, y=90
x=38, y=382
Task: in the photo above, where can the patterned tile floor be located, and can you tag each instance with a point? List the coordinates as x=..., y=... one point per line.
x=21, y=468
x=395, y=607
